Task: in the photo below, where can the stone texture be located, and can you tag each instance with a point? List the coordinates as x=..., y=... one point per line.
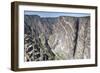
x=56, y=38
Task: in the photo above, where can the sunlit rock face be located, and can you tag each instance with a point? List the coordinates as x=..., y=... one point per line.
x=83, y=41
x=62, y=40
x=56, y=38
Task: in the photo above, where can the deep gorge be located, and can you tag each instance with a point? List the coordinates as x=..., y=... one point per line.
x=56, y=38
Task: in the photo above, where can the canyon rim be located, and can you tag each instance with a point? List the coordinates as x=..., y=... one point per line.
x=56, y=36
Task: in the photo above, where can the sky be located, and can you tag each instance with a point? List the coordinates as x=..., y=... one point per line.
x=55, y=14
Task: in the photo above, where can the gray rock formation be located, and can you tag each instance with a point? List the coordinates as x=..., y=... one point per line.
x=56, y=38
x=83, y=41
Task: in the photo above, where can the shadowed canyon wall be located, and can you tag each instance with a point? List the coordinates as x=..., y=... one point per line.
x=56, y=38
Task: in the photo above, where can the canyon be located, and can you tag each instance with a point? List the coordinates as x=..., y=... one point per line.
x=56, y=38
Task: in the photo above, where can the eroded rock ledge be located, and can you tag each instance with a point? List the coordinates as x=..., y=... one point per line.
x=56, y=38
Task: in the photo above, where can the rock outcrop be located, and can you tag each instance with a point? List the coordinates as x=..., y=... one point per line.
x=56, y=38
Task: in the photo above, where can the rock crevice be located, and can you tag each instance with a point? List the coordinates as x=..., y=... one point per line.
x=56, y=38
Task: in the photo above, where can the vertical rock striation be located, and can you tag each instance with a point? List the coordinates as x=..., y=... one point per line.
x=56, y=38
x=83, y=41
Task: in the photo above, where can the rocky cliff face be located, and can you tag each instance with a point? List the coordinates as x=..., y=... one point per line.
x=56, y=38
